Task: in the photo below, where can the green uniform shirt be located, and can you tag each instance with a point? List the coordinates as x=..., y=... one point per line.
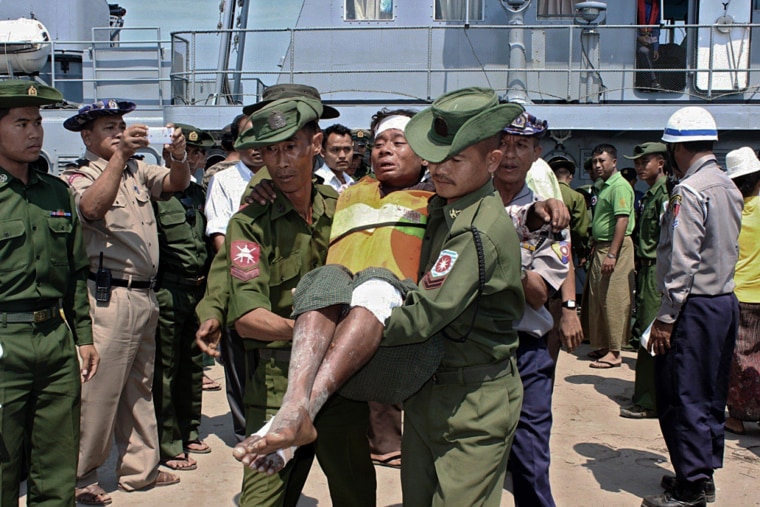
x=653, y=206
x=615, y=198
x=41, y=250
x=183, y=249
x=579, y=218
x=269, y=248
x=449, y=282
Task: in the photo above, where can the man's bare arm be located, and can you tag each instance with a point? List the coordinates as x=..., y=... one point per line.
x=264, y=325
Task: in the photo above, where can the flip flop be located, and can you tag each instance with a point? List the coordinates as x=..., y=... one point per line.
x=210, y=384
x=200, y=447
x=391, y=459
x=92, y=495
x=180, y=462
x=600, y=364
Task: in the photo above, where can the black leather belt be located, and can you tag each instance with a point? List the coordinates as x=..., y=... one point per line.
x=35, y=316
x=182, y=281
x=129, y=284
x=281, y=355
x=475, y=374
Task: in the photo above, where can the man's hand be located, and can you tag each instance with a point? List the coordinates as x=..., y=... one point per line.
x=659, y=338
x=262, y=193
x=178, y=145
x=133, y=138
x=208, y=335
x=549, y=211
x=570, y=330
x=89, y=364
x=608, y=266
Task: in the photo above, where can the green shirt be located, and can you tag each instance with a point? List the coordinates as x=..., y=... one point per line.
x=41, y=250
x=579, y=218
x=652, y=207
x=183, y=249
x=269, y=248
x=615, y=198
x=449, y=281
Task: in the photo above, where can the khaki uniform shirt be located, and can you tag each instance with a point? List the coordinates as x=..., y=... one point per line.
x=127, y=234
x=41, y=250
x=449, y=281
x=699, y=238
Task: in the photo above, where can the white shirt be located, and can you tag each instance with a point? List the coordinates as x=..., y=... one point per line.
x=225, y=190
x=339, y=184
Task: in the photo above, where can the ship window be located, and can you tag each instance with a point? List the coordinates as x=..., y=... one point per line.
x=369, y=10
x=556, y=8
x=456, y=10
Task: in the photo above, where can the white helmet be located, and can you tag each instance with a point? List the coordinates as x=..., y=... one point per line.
x=690, y=124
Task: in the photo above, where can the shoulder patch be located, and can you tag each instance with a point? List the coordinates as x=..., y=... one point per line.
x=244, y=260
x=440, y=270
x=562, y=249
x=71, y=178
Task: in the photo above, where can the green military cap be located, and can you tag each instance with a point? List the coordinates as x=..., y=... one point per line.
x=457, y=120
x=278, y=121
x=360, y=136
x=24, y=93
x=195, y=136
x=647, y=148
x=562, y=161
x=290, y=91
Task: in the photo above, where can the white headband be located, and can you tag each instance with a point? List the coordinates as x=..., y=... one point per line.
x=392, y=122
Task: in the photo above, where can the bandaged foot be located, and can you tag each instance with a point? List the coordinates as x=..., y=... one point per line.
x=268, y=462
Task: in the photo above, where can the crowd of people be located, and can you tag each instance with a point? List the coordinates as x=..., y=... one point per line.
x=426, y=266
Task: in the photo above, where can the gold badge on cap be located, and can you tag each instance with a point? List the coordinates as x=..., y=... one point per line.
x=276, y=120
x=360, y=134
x=112, y=104
x=193, y=136
x=441, y=127
x=32, y=91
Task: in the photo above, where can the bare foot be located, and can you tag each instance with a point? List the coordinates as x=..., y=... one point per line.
x=289, y=428
x=251, y=451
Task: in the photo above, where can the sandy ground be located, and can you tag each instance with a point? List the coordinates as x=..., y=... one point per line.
x=598, y=458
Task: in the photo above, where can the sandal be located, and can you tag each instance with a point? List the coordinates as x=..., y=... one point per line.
x=180, y=462
x=391, y=459
x=196, y=446
x=210, y=384
x=92, y=495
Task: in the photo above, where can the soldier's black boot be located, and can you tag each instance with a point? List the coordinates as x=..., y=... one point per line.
x=668, y=482
x=682, y=495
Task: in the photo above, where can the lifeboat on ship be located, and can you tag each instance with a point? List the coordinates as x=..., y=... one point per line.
x=24, y=46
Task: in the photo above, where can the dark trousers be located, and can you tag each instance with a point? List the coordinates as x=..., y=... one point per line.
x=692, y=384
x=234, y=358
x=529, y=458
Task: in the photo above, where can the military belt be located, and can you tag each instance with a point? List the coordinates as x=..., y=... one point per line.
x=647, y=262
x=182, y=281
x=36, y=316
x=281, y=355
x=128, y=283
x=475, y=374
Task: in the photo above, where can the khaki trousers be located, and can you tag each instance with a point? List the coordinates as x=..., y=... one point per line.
x=118, y=401
x=609, y=298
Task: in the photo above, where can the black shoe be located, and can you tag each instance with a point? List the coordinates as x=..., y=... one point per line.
x=670, y=499
x=668, y=482
x=638, y=412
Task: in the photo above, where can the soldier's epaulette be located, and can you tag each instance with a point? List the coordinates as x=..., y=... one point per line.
x=254, y=209
x=326, y=190
x=80, y=162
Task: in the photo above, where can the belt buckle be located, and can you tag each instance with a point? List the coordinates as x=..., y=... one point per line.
x=39, y=316
x=152, y=283
x=200, y=280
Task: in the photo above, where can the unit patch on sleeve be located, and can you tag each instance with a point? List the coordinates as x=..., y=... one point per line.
x=562, y=249
x=440, y=270
x=244, y=260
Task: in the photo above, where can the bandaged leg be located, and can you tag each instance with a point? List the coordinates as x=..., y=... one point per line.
x=270, y=463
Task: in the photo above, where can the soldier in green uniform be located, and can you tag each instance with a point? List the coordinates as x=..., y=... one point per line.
x=44, y=310
x=460, y=424
x=649, y=160
x=183, y=265
x=268, y=249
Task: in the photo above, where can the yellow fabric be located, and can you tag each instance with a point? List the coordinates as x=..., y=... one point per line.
x=747, y=275
x=356, y=240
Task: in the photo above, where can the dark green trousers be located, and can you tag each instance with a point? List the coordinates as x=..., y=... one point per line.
x=178, y=377
x=647, y=306
x=342, y=448
x=39, y=412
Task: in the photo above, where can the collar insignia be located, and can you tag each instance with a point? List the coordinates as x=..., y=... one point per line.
x=454, y=213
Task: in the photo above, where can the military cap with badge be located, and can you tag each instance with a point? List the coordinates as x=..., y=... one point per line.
x=291, y=91
x=89, y=112
x=278, y=121
x=24, y=93
x=560, y=161
x=647, y=149
x=195, y=136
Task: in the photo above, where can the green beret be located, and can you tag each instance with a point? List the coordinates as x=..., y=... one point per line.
x=24, y=93
x=278, y=121
x=195, y=136
x=647, y=148
x=456, y=121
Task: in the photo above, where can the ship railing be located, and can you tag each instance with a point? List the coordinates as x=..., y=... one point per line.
x=425, y=61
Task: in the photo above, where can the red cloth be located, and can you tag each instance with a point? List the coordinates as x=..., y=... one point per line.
x=654, y=13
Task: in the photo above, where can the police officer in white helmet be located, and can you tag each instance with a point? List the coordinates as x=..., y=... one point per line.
x=694, y=332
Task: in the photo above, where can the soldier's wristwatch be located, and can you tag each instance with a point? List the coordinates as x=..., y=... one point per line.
x=569, y=304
